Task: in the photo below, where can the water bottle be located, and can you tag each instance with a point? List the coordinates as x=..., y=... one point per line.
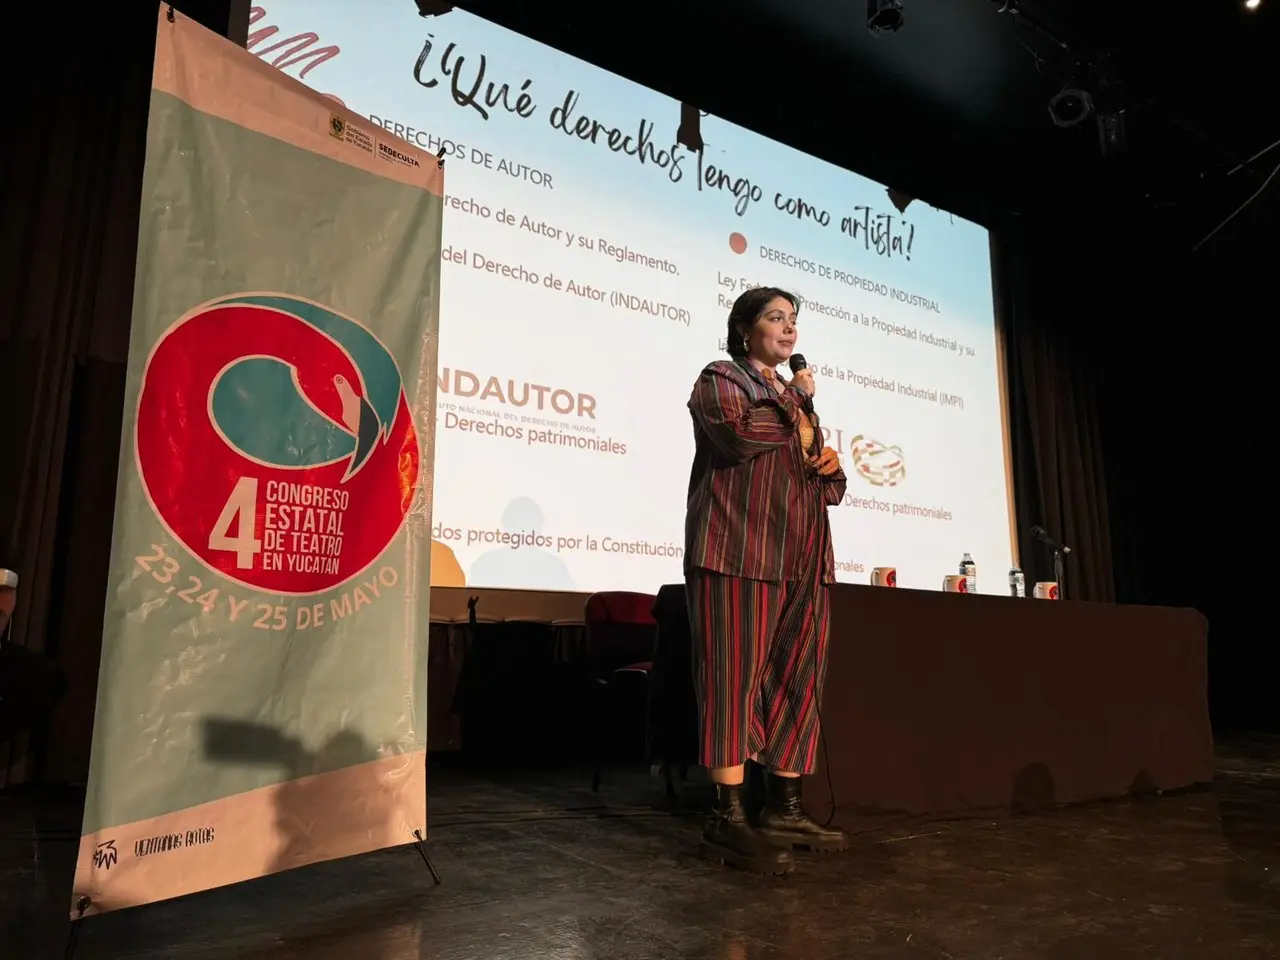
x=969, y=570
x=1017, y=583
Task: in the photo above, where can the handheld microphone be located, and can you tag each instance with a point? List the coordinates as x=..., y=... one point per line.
x=798, y=363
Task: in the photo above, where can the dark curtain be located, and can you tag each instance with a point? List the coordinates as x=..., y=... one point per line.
x=1128, y=347
x=1219, y=525
x=1058, y=467
x=70, y=188
x=1188, y=431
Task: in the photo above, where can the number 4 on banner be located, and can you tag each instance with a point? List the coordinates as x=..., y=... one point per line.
x=241, y=509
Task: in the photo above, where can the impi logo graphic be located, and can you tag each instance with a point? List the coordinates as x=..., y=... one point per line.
x=877, y=463
x=263, y=422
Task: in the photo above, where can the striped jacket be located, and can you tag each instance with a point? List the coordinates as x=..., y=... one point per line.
x=755, y=509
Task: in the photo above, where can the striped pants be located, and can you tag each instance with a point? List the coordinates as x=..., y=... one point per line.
x=760, y=660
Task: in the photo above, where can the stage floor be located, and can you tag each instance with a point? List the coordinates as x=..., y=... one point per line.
x=535, y=867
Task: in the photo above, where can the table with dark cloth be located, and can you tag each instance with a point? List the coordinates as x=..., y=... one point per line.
x=941, y=703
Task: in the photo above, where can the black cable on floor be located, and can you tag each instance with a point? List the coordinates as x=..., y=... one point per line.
x=826, y=765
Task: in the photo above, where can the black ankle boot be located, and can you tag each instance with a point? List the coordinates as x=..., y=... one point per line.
x=730, y=839
x=785, y=823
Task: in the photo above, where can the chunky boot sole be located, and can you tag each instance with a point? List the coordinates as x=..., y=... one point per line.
x=731, y=858
x=803, y=842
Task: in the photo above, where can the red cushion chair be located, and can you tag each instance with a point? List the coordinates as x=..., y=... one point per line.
x=620, y=636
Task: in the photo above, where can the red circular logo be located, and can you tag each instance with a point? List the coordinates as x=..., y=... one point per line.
x=275, y=442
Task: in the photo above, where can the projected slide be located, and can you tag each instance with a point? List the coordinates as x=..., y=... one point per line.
x=590, y=261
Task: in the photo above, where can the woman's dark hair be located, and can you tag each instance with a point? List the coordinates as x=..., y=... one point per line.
x=746, y=311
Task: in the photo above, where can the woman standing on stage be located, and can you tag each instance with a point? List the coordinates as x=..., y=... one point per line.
x=758, y=560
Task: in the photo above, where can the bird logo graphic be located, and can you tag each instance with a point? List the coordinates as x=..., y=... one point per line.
x=275, y=441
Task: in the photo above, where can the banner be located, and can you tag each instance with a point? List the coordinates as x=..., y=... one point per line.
x=261, y=700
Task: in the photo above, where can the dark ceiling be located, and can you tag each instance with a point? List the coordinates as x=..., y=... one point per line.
x=955, y=105
x=1211, y=62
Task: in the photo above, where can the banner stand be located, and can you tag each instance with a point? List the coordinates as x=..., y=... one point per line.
x=270, y=570
x=420, y=844
x=82, y=904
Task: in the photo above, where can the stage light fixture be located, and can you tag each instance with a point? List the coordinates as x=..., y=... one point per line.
x=1113, y=133
x=884, y=16
x=1252, y=4
x=1070, y=106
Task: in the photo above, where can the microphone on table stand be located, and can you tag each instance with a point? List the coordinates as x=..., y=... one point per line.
x=1040, y=534
x=1059, y=551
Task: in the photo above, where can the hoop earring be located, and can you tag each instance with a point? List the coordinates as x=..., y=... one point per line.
x=746, y=345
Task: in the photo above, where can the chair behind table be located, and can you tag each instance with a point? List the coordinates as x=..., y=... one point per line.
x=506, y=685
x=620, y=637
x=620, y=630
x=673, y=705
